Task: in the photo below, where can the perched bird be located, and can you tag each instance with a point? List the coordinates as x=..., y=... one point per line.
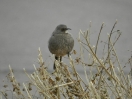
x=60, y=42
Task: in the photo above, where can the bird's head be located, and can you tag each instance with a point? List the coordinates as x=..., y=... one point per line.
x=62, y=28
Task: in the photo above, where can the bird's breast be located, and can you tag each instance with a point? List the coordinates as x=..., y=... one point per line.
x=61, y=44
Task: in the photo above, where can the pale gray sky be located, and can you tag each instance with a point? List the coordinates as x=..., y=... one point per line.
x=26, y=25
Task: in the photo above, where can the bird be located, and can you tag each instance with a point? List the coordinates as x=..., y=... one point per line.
x=60, y=43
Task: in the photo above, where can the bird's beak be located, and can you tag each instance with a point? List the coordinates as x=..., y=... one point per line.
x=68, y=29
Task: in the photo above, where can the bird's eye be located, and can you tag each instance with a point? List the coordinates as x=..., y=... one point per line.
x=63, y=29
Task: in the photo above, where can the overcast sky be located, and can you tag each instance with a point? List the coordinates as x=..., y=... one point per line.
x=26, y=25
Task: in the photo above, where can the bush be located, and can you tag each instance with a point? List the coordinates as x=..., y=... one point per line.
x=66, y=83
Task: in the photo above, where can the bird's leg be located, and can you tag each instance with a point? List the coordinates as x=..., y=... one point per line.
x=54, y=67
x=68, y=54
x=57, y=58
x=60, y=58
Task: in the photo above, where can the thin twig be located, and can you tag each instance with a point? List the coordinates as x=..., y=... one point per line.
x=98, y=37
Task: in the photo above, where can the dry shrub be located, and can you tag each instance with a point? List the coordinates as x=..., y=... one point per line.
x=66, y=83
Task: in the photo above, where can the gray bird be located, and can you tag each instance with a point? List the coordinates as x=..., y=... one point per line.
x=60, y=42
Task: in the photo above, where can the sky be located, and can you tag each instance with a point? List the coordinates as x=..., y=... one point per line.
x=26, y=25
